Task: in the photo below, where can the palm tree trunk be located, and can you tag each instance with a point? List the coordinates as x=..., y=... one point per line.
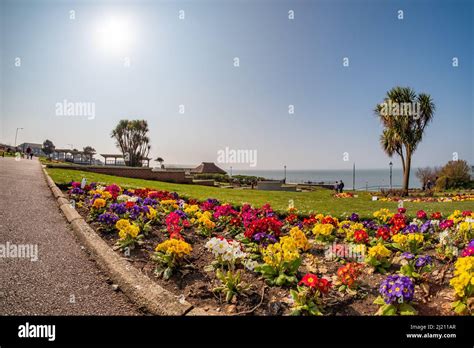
x=406, y=173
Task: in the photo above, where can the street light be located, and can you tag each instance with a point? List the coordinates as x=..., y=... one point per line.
x=285, y=175
x=231, y=171
x=390, y=164
x=16, y=134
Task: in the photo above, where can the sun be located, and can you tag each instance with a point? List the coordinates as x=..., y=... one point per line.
x=114, y=34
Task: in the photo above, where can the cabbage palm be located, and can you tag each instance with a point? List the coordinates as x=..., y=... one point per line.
x=403, y=132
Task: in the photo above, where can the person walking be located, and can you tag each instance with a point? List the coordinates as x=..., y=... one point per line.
x=28, y=152
x=336, y=187
x=341, y=186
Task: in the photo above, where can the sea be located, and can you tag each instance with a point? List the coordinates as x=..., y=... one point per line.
x=365, y=179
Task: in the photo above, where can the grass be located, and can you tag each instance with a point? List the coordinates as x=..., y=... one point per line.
x=320, y=200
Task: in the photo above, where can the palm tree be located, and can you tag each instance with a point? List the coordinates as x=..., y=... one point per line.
x=404, y=124
x=160, y=160
x=89, y=151
x=131, y=137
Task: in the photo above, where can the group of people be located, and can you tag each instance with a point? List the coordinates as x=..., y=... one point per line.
x=339, y=186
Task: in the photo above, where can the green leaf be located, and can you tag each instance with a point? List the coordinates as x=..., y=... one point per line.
x=389, y=310
x=167, y=273
x=407, y=309
x=379, y=301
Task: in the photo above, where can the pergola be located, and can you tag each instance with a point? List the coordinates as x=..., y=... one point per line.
x=61, y=154
x=115, y=156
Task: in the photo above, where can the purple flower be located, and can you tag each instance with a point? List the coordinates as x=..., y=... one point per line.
x=118, y=208
x=264, y=238
x=77, y=191
x=426, y=227
x=423, y=261
x=370, y=225
x=181, y=214
x=150, y=201
x=354, y=217
x=410, y=229
x=108, y=218
x=397, y=288
x=407, y=256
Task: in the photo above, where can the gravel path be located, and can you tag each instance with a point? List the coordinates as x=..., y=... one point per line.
x=64, y=280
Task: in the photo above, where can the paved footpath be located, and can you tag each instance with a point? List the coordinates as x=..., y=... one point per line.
x=64, y=280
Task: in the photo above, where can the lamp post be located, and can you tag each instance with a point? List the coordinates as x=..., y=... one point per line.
x=284, y=180
x=390, y=164
x=231, y=171
x=16, y=135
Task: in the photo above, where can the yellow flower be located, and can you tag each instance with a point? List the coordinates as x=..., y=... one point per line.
x=277, y=253
x=323, y=229
x=169, y=203
x=131, y=230
x=383, y=215
x=204, y=219
x=122, y=224
x=379, y=251
x=191, y=210
x=98, y=203
x=416, y=237
x=300, y=238
x=176, y=247
x=399, y=238
x=106, y=195
x=152, y=213
x=463, y=275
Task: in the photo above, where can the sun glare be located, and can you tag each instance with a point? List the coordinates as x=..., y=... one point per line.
x=114, y=34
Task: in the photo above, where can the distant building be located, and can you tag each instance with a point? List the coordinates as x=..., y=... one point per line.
x=203, y=168
x=36, y=148
x=208, y=168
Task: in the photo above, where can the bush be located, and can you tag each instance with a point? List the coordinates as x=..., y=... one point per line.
x=455, y=174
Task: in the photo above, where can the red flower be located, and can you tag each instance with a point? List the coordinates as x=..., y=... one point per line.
x=361, y=236
x=436, y=216
x=384, y=233
x=292, y=218
x=269, y=225
x=129, y=204
x=349, y=273
x=421, y=214
x=467, y=213
x=329, y=220
x=402, y=210
x=310, y=280
x=324, y=285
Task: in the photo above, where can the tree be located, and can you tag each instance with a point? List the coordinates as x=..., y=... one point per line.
x=131, y=137
x=427, y=174
x=404, y=116
x=160, y=160
x=454, y=174
x=89, y=151
x=48, y=147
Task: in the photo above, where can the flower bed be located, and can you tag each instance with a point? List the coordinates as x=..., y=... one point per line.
x=248, y=260
x=448, y=198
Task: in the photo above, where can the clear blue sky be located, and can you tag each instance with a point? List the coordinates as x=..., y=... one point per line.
x=282, y=62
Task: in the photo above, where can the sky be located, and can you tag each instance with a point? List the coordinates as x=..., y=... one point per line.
x=140, y=60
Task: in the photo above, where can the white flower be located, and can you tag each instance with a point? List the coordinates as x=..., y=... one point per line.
x=250, y=264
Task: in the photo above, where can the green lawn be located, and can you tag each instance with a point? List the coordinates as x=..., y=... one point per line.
x=320, y=200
